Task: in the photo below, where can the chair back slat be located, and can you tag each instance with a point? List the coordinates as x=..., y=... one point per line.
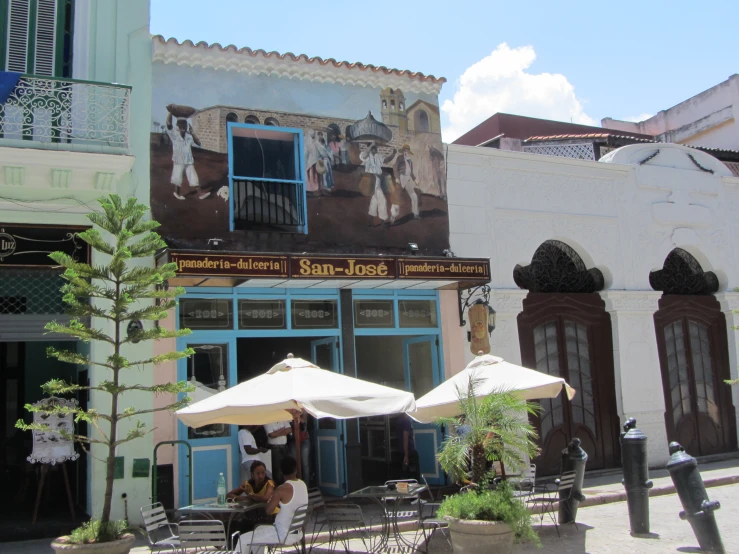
x=566, y=480
x=156, y=523
x=202, y=533
x=299, y=519
x=315, y=499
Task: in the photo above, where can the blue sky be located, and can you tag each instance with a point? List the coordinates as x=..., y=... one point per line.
x=566, y=60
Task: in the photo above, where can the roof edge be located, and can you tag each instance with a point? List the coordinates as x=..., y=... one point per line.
x=329, y=63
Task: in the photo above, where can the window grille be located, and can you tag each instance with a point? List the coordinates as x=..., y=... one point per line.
x=582, y=151
x=30, y=291
x=260, y=204
x=733, y=167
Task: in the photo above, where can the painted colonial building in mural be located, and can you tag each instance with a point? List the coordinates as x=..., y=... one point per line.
x=304, y=201
x=617, y=275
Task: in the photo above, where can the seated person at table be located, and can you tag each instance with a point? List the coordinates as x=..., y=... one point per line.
x=258, y=488
x=289, y=496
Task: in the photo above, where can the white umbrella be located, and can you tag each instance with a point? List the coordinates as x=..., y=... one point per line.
x=296, y=384
x=493, y=374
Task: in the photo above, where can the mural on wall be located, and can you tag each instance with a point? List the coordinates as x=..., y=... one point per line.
x=370, y=182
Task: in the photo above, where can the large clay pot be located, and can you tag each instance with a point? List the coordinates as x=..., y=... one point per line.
x=480, y=537
x=121, y=546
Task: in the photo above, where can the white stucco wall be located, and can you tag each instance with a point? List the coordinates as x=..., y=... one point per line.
x=623, y=218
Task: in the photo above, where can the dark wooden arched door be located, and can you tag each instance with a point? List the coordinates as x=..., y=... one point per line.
x=569, y=336
x=693, y=353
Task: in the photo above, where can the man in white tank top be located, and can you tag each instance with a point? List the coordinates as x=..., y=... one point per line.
x=290, y=496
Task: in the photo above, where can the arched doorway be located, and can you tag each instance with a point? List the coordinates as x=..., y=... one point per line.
x=565, y=331
x=693, y=355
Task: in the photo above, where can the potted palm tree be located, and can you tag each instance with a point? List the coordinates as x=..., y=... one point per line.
x=493, y=428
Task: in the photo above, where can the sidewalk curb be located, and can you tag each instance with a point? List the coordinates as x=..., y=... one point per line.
x=620, y=496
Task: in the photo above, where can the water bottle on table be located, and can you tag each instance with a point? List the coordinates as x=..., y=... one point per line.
x=221, y=497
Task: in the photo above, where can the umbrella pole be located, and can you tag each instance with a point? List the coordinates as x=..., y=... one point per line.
x=296, y=432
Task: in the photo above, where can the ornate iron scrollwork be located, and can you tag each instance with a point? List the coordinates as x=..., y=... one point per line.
x=683, y=274
x=556, y=267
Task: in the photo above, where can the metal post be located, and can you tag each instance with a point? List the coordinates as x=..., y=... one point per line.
x=154, y=470
x=574, y=459
x=698, y=510
x=636, y=476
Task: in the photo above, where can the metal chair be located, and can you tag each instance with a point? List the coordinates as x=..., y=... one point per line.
x=525, y=483
x=344, y=520
x=293, y=537
x=204, y=533
x=564, y=484
x=434, y=524
x=316, y=514
x=160, y=532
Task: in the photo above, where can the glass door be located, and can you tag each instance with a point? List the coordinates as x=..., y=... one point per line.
x=421, y=365
x=214, y=447
x=329, y=432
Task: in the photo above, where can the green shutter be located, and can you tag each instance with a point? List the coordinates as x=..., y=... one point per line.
x=33, y=35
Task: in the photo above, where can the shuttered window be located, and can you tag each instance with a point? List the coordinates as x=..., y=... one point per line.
x=36, y=36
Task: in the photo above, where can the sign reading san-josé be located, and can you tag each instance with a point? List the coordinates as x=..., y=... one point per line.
x=217, y=264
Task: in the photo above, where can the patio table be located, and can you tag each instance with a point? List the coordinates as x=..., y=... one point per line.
x=390, y=507
x=212, y=510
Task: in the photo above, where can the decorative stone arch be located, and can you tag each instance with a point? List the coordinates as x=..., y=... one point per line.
x=704, y=253
x=556, y=267
x=272, y=122
x=683, y=274
x=251, y=119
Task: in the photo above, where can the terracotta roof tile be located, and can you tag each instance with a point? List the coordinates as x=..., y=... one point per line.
x=315, y=59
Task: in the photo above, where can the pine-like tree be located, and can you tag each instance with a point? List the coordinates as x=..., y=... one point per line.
x=116, y=293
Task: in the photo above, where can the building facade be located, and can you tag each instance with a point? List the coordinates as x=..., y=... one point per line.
x=708, y=119
x=304, y=201
x=68, y=135
x=617, y=275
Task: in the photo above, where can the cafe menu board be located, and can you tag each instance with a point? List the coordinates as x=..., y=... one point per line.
x=215, y=264
x=49, y=446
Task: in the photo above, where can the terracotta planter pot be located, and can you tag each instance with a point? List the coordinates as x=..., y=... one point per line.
x=480, y=537
x=121, y=546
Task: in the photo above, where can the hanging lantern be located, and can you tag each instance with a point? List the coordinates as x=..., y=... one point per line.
x=482, y=322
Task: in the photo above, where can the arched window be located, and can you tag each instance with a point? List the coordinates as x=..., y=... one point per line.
x=384, y=103
x=272, y=121
x=400, y=106
x=392, y=104
x=231, y=118
x=565, y=332
x=251, y=119
x=422, y=121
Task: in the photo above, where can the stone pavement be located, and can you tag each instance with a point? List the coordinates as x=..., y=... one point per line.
x=602, y=525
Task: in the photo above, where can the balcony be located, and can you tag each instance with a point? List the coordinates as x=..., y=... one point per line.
x=66, y=114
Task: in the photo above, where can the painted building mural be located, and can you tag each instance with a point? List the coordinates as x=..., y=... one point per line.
x=372, y=165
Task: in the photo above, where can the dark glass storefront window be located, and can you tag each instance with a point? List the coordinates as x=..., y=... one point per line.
x=315, y=314
x=374, y=313
x=207, y=370
x=417, y=313
x=262, y=314
x=206, y=314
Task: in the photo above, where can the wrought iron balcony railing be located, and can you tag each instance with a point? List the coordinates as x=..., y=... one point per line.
x=268, y=204
x=81, y=114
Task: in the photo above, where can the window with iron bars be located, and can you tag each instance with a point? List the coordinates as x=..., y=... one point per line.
x=266, y=178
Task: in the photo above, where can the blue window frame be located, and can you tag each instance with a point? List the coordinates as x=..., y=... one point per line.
x=266, y=175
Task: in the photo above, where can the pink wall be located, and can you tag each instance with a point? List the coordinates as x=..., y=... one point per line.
x=453, y=335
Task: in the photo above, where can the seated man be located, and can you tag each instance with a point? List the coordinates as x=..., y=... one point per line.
x=288, y=497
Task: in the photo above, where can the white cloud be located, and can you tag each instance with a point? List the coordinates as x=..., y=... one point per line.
x=500, y=82
x=638, y=118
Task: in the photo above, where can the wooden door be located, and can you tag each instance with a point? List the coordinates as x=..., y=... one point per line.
x=569, y=336
x=693, y=352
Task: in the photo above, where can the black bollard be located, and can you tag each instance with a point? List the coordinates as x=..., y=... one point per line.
x=699, y=510
x=636, y=476
x=574, y=458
